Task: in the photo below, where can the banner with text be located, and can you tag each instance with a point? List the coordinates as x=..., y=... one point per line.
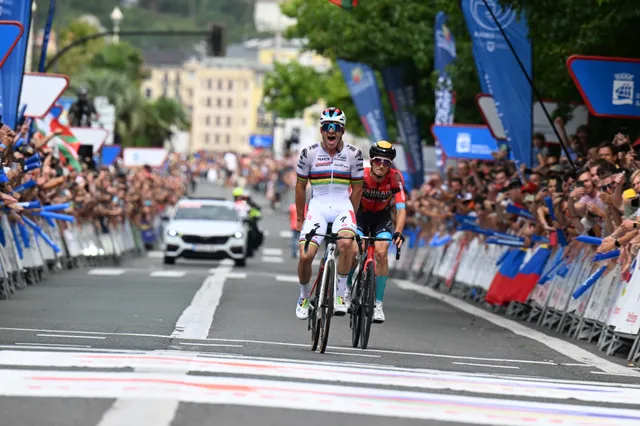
x=12, y=70
x=363, y=88
x=445, y=54
x=402, y=98
x=466, y=141
x=498, y=69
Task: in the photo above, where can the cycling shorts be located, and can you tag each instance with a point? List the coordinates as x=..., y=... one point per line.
x=320, y=214
x=377, y=223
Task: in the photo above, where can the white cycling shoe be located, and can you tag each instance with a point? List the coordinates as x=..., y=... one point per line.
x=339, y=307
x=302, y=308
x=378, y=313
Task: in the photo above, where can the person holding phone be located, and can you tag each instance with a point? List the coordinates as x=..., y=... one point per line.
x=585, y=201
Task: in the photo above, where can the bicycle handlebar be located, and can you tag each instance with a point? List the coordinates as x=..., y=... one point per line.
x=374, y=239
x=313, y=233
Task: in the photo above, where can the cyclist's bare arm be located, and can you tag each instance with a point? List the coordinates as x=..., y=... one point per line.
x=303, y=169
x=356, y=195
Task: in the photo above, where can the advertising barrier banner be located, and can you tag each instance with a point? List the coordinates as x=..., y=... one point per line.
x=466, y=141
x=445, y=55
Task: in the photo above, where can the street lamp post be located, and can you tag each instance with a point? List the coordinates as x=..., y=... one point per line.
x=116, y=17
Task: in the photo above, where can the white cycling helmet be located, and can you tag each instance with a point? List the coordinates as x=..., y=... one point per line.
x=333, y=115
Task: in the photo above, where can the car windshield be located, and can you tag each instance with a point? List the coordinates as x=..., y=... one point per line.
x=205, y=212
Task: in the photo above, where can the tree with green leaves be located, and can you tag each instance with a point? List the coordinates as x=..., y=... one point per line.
x=78, y=58
x=121, y=57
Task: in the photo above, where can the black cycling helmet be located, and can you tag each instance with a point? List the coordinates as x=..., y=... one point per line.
x=382, y=149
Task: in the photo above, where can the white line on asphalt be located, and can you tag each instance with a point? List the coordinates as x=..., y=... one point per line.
x=272, y=252
x=196, y=320
x=267, y=259
x=360, y=355
x=109, y=272
x=58, y=345
x=577, y=365
x=137, y=411
x=221, y=345
x=71, y=337
x=237, y=275
x=155, y=254
x=286, y=234
x=67, y=348
x=486, y=365
x=565, y=348
x=169, y=274
x=287, y=278
x=604, y=373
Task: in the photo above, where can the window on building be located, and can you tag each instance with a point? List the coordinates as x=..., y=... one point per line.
x=208, y=102
x=229, y=102
x=219, y=102
x=206, y=138
x=246, y=85
x=218, y=120
x=148, y=92
x=207, y=120
x=228, y=121
x=228, y=139
x=209, y=84
x=245, y=103
x=217, y=138
x=244, y=121
x=219, y=84
x=177, y=79
x=230, y=85
x=190, y=93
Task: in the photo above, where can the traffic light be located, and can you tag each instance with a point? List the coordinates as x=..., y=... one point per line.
x=216, y=45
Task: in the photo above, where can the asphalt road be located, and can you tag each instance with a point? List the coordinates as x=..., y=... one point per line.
x=203, y=343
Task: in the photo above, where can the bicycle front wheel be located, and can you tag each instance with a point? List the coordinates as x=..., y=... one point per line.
x=368, y=302
x=326, y=305
x=356, y=311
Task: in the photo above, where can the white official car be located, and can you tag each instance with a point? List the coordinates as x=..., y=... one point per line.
x=201, y=228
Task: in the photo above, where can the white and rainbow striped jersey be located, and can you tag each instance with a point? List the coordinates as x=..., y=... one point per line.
x=331, y=178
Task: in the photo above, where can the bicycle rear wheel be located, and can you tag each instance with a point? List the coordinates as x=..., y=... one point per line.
x=326, y=305
x=368, y=302
x=314, y=320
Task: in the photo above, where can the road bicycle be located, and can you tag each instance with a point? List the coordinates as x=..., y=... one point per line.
x=363, y=292
x=324, y=289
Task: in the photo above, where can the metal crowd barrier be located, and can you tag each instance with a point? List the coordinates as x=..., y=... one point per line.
x=606, y=314
x=28, y=257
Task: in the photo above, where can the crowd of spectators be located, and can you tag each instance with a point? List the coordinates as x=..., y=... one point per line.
x=597, y=196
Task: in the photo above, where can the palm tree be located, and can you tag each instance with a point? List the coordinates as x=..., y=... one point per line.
x=160, y=118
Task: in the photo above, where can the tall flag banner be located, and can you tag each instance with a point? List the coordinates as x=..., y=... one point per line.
x=363, y=87
x=45, y=37
x=402, y=98
x=445, y=54
x=498, y=69
x=12, y=70
x=345, y=4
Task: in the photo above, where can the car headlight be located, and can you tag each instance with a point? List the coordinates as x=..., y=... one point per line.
x=172, y=233
x=238, y=235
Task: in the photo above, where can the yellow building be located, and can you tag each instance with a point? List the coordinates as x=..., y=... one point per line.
x=223, y=95
x=220, y=96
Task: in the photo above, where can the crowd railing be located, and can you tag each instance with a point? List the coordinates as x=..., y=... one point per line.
x=31, y=251
x=575, y=293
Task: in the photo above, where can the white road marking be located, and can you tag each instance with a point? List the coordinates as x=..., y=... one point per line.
x=169, y=274
x=604, y=373
x=286, y=234
x=155, y=254
x=107, y=272
x=361, y=355
x=287, y=278
x=237, y=275
x=153, y=386
x=486, y=365
x=565, y=348
x=140, y=411
x=267, y=259
x=67, y=348
x=222, y=345
x=56, y=345
x=272, y=252
x=71, y=336
x=226, y=262
x=577, y=365
x=196, y=320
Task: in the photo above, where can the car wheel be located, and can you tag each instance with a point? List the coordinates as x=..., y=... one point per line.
x=168, y=260
x=240, y=262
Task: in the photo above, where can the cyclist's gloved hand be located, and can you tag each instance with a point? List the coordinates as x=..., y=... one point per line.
x=398, y=239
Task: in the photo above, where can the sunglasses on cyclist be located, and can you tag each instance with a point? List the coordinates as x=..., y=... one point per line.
x=381, y=161
x=337, y=127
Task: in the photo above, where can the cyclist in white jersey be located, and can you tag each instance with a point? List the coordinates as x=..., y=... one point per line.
x=333, y=168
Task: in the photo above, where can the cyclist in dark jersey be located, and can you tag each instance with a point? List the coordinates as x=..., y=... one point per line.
x=382, y=183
